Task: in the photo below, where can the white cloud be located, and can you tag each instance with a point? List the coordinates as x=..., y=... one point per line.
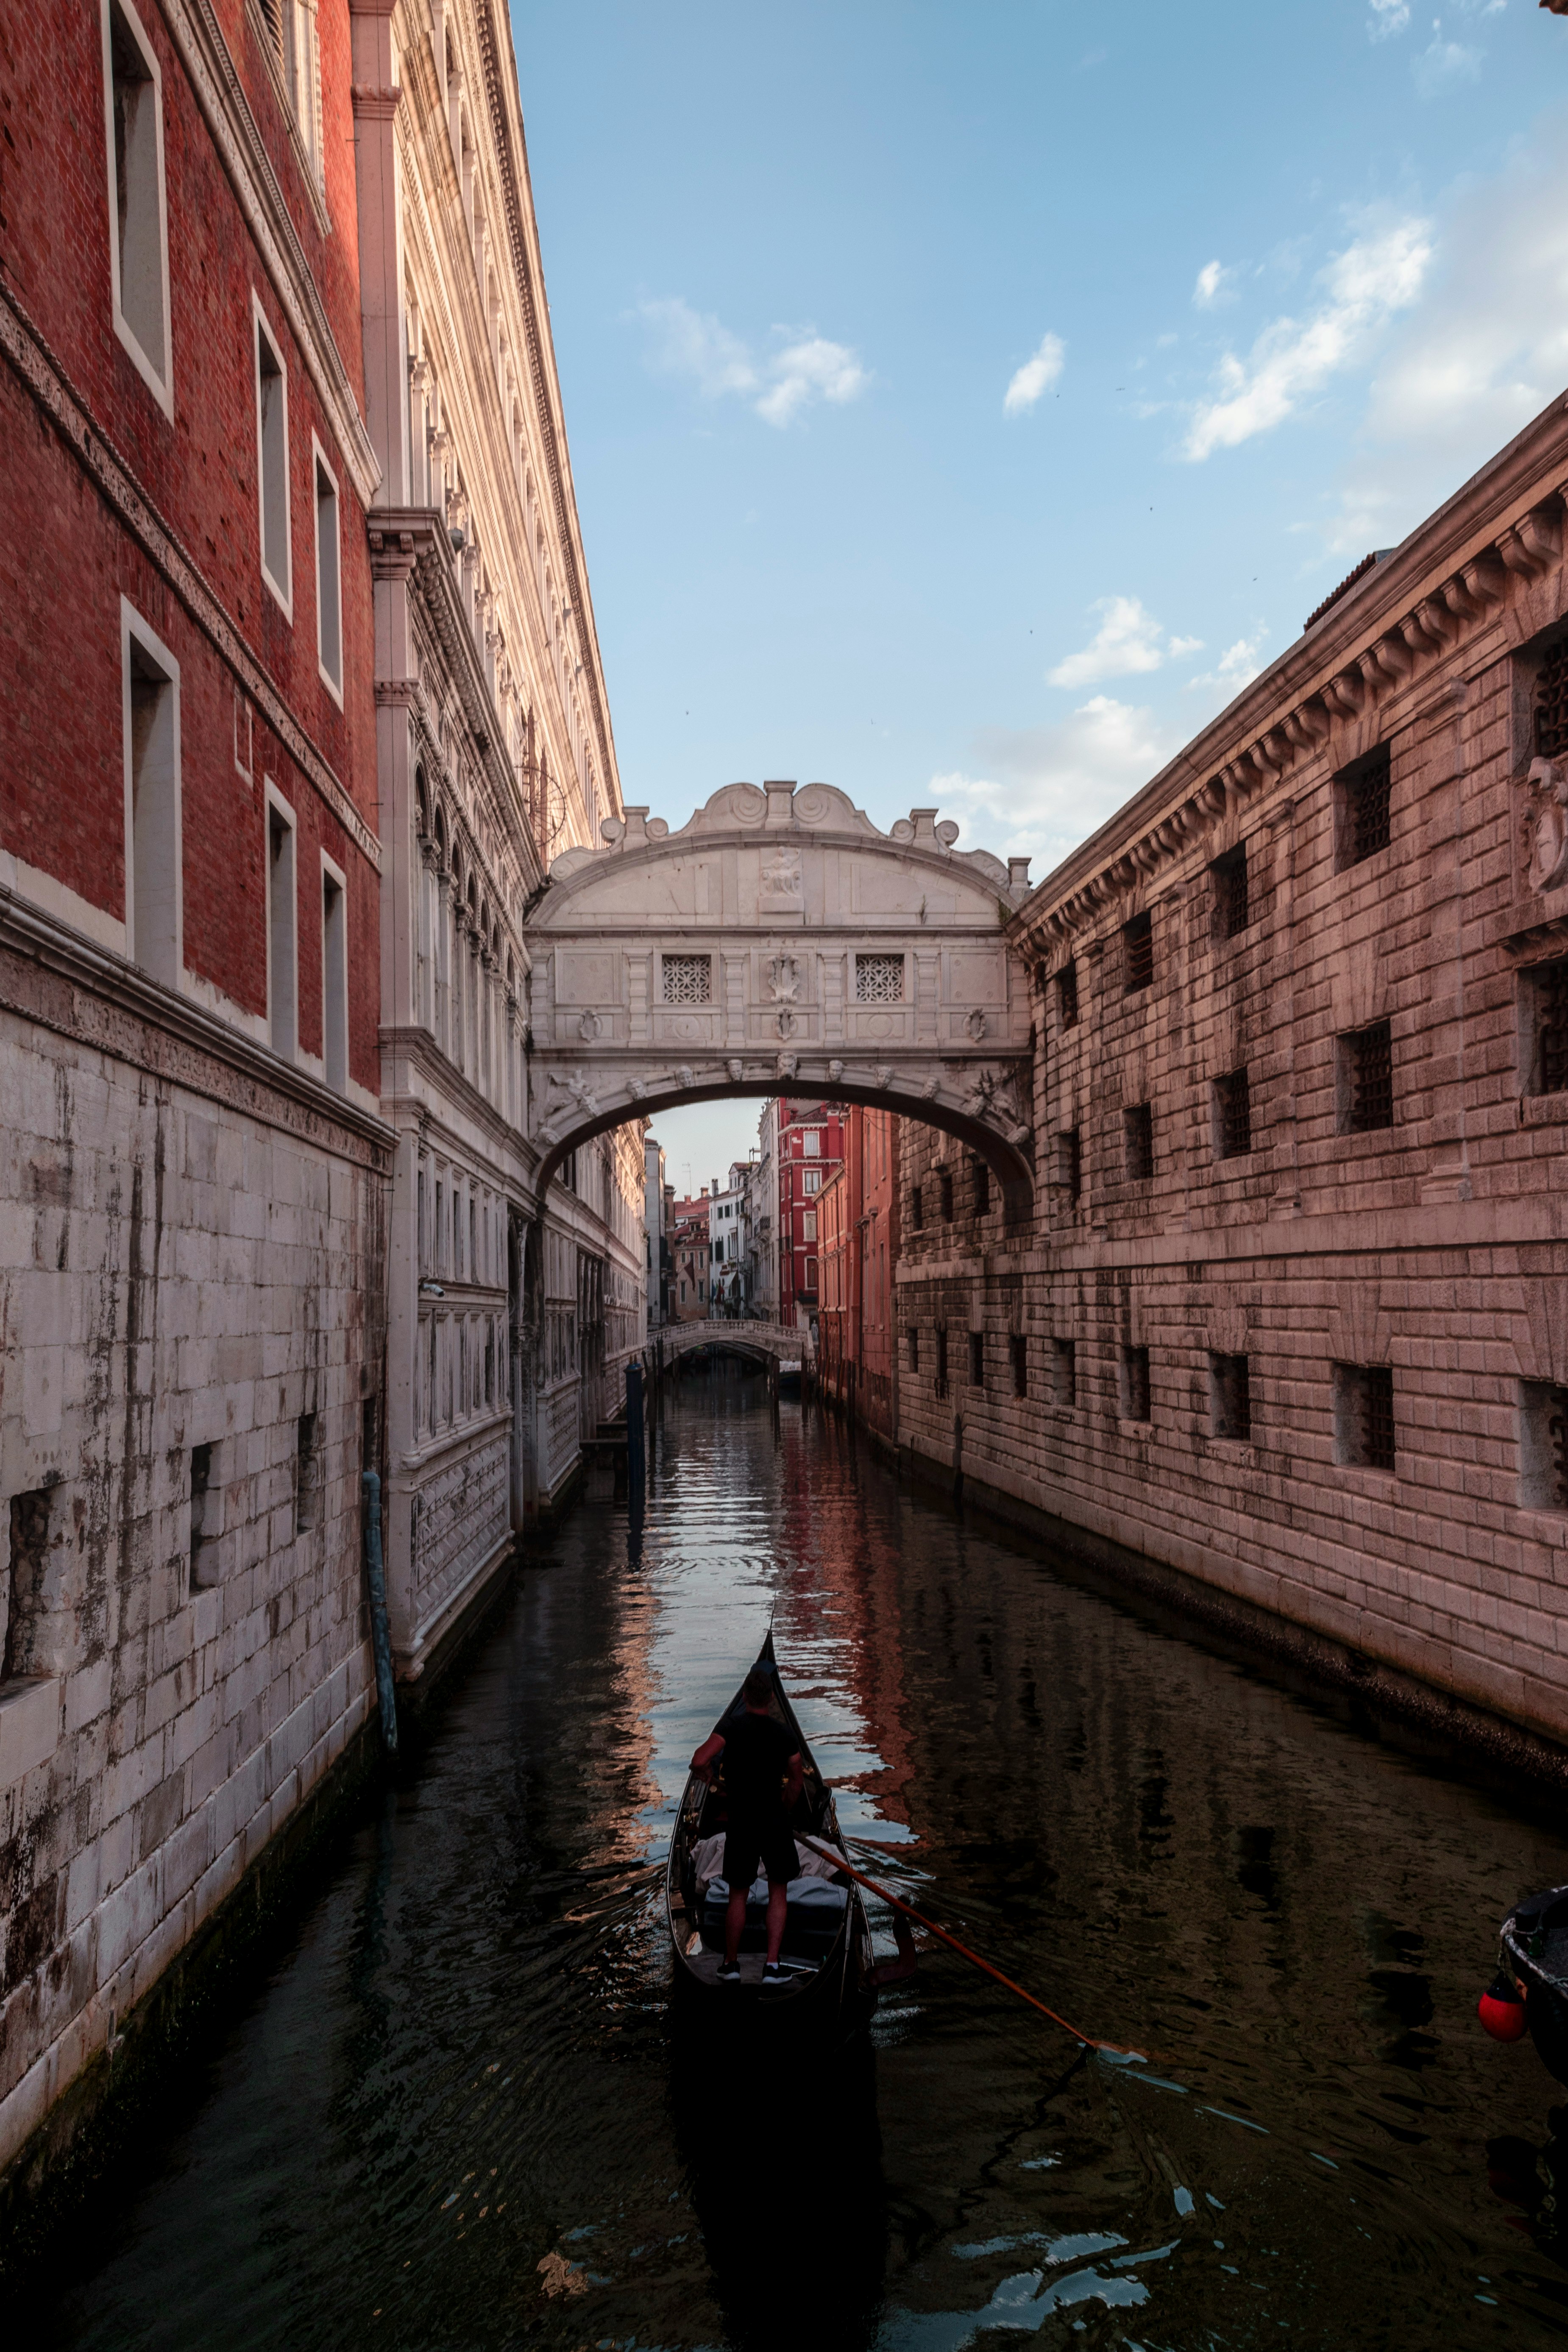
x=1037, y=375
x=1127, y=640
x=693, y=344
x=1212, y=285
x=1443, y=63
x=1482, y=352
x=1374, y=277
x=1388, y=16
x=1044, y=789
x=1236, y=667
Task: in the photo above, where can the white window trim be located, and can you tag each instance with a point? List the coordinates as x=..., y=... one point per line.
x=273, y=799
x=261, y=324
x=335, y=686
x=331, y=870
x=131, y=625
x=160, y=386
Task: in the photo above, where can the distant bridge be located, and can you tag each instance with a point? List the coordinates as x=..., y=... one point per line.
x=747, y=1332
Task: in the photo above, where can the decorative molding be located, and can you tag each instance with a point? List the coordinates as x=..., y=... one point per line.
x=83, y=991
x=204, y=53
x=44, y=379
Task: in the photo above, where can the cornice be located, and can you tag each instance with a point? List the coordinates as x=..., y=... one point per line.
x=204, y=53
x=46, y=380
x=418, y=1048
x=114, y=1007
x=545, y=407
x=1380, y=650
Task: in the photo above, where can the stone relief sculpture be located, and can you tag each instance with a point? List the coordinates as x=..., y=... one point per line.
x=1547, y=824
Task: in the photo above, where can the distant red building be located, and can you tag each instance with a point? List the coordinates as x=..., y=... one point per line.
x=810, y=1147
x=689, y=1251
x=858, y=1223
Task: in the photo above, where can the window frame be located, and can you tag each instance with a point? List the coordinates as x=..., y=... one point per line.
x=161, y=385
x=335, y=954
x=273, y=803
x=282, y=590
x=320, y=465
x=134, y=629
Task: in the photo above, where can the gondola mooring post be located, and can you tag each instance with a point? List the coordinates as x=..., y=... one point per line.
x=636, y=1466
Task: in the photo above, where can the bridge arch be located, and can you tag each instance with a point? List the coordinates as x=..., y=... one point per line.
x=780, y=943
x=747, y=1334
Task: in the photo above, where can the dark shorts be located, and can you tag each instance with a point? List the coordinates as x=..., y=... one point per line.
x=746, y=1842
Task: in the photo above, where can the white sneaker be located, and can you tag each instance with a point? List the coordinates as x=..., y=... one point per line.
x=774, y=1978
x=731, y=1972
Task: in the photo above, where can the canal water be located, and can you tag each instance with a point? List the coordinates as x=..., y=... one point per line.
x=460, y=2113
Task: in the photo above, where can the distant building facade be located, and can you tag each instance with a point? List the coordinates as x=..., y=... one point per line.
x=810, y=1145
x=693, y=1256
x=858, y=1230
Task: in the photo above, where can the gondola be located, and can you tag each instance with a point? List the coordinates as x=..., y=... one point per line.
x=1530, y=1992
x=827, y=1949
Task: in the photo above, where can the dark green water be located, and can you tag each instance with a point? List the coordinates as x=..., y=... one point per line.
x=460, y=2113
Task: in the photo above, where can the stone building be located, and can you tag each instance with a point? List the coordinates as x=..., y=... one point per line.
x=510, y=1316
x=192, y=1196
x=1293, y=1315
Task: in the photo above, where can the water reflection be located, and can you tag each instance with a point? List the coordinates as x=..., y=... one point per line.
x=460, y=2111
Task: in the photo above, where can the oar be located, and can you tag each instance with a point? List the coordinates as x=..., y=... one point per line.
x=1113, y=2049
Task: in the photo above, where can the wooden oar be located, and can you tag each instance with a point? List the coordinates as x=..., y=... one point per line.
x=1113, y=2049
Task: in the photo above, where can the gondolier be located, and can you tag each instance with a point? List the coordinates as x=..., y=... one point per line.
x=763, y=1774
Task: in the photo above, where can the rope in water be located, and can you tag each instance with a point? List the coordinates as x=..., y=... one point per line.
x=1113, y=2048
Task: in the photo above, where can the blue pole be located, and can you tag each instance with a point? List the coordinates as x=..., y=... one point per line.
x=380, y=1632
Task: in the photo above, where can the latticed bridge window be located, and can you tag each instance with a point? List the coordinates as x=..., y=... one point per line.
x=1368, y=1087
x=1363, y=812
x=878, y=980
x=687, y=980
x=1551, y=703
x=1365, y=1431
x=1543, y=1446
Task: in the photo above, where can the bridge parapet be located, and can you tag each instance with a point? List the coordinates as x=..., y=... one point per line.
x=781, y=1339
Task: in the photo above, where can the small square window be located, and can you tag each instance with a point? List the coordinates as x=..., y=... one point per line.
x=206, y=1510
x=1230, y=1396
x=1063, y=1374
x=1361, y=807
x=687, y=980
x=1366, y=1079
x=878, y=980
x=1067, y=996
x=1135, y=1403
x=977, y=1360
x=1363, y=1416
x=1233, y=1115
x=1138, y=1127
x=1231, y=912
x=1543, y=1446
x=1069, y=1162
x=1019, y=1352
x=811, y=1181
x=1138, y=954
x=307, y=1474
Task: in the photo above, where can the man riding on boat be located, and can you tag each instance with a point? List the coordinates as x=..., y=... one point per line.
x=763, y=1779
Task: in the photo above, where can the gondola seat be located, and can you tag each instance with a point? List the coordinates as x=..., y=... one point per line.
x=812, y=1920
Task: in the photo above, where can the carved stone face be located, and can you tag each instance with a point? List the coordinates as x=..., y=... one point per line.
x=1548, y=826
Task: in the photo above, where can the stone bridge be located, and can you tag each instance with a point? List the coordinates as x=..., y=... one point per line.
x=779, y=943
x=745, y=1331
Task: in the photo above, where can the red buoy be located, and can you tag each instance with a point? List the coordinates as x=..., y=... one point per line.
x=1501, y=2008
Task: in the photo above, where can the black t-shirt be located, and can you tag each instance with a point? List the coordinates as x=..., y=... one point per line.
x=757, y=1751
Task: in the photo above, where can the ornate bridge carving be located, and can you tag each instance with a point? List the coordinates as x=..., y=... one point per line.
x=780, y=943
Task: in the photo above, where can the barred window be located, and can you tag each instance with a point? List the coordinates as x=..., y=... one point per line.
x=1366, y=1079
x=1551, y=703
x=940, y=1383
x=1363, y=1416
x=878, y=980
x=982, y=1189
x=977, y=1360
x=1018, y=1349
x=687, y=980
x=1064, y=1372
x=1138, y=1123
x=1233, y=1115
x=1230, y=1396
x=1362, y=795
x=1543, y=1446
x=917, y=1208
x=1138, y=953
x=1231, y=911
x=945, y=1184
x=914, y=1339
x=1135, y=1384
x=1066, y=996
x=1547, y=986
x=1069, y=1162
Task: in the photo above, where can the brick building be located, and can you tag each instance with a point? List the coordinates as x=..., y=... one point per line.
x=858, y=1234
x=808, y=1144
x=1292, y=1317
x=194, y=1192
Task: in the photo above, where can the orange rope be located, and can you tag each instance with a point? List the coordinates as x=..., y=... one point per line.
x=1114, y=2049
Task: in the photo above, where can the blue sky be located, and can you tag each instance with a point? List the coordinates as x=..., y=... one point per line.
x=965, y=400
